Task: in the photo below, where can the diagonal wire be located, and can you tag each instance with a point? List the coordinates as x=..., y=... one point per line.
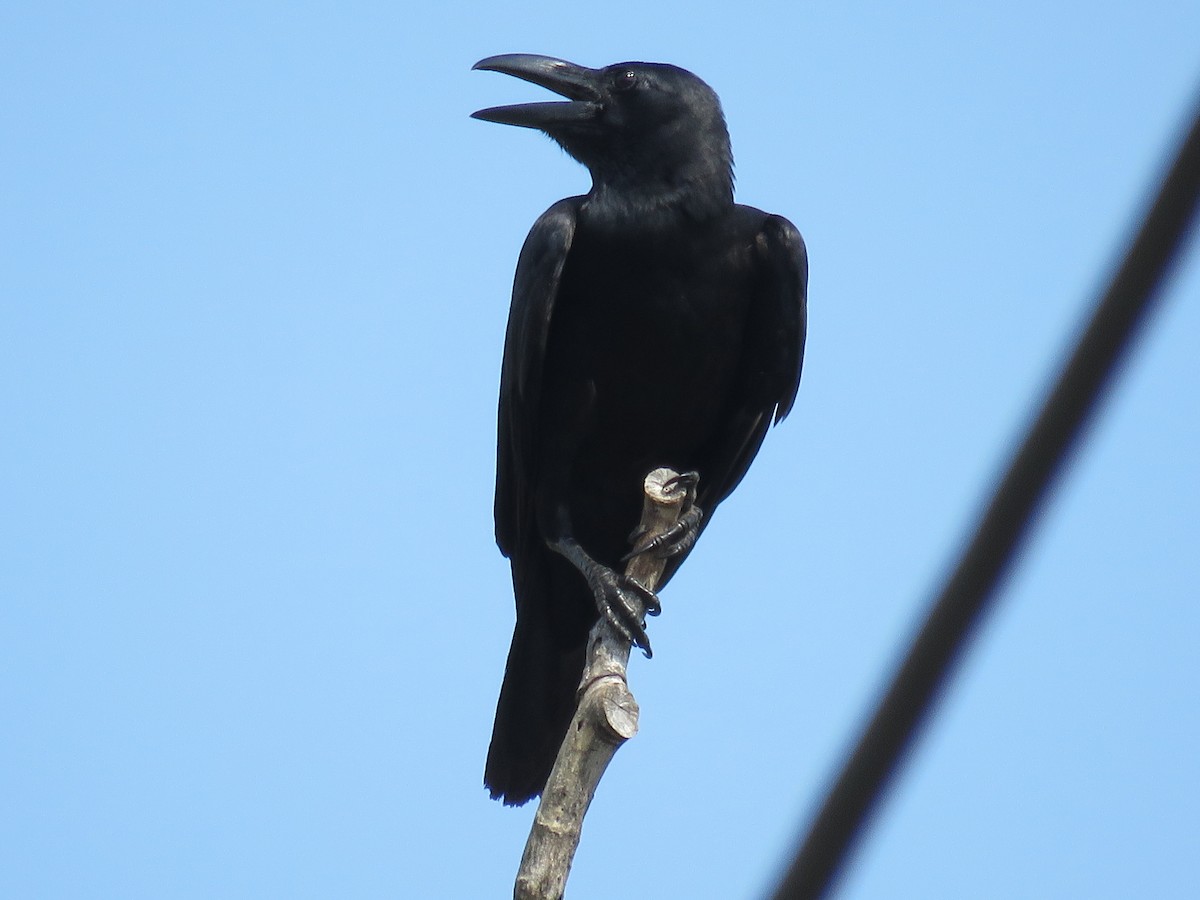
x=999, y=534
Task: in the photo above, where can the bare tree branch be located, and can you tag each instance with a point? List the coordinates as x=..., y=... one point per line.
x=606, y=717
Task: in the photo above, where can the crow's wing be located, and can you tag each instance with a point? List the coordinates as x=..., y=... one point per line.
x=772, y=359
x=535, y=287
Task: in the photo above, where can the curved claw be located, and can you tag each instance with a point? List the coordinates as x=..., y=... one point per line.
x=689, y=481
x=649, y=599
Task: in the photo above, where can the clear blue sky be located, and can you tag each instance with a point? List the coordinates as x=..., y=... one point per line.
x=254, y=270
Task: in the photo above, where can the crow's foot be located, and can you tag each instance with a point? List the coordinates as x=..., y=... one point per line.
x=623, y=601
x=681, y=536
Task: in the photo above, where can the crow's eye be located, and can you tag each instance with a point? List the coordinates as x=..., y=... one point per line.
x=625, y=80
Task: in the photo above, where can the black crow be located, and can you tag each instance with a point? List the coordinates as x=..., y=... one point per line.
x=654, y=322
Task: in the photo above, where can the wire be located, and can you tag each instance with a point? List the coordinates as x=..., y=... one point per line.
x=999, y=535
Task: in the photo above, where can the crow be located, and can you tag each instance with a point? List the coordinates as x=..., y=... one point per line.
x=654, y=322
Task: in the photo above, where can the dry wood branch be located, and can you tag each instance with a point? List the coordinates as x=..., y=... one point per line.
x=606, y=717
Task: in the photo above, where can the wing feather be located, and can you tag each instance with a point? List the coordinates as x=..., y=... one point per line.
x=773, y=359
x=535, y=287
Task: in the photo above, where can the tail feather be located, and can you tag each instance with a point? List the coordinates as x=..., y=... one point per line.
x=545, y=662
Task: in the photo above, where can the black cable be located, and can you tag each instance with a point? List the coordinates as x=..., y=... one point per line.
x=999, y=535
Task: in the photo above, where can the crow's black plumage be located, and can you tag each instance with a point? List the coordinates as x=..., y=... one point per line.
x=653, y=323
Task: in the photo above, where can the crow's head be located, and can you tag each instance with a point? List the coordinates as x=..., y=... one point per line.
x=646, y=128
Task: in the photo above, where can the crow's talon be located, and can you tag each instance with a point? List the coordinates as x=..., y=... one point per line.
x=650, y=601
x=624, y=602
x=677, y=539
x=688, y=480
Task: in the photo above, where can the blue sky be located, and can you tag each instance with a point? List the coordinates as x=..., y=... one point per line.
x=254, y=267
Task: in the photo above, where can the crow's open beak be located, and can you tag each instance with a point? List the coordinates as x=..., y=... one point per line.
x=581, y=85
